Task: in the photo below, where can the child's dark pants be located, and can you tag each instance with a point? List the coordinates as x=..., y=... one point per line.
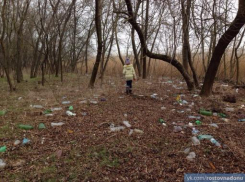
x=129, y=87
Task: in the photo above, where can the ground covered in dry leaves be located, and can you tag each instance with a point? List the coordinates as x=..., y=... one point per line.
x=86, y=149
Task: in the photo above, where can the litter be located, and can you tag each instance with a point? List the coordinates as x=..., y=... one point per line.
x=56, y=109
x=126, y=123
x=66, y=102
x=93, y=102
x=2, y=164
x=57, y=124
x=41, y=126
x=191, y=156
x=118, y=128
x=36, y=106
x=208, y=137
x=229, y=109
x=195, y=141
x=16, y=142
x=138, y=131
x=3, y=149
x=187, y=150
x=214, y=125
x=26, y=141
x=25, y=127
x=69, y=113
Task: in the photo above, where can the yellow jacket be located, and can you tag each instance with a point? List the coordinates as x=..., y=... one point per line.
x=129, y=72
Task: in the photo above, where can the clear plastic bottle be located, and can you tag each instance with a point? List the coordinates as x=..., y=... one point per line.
x=195, y=131
x=195, y=140
x=212, y=140
x=191, y=156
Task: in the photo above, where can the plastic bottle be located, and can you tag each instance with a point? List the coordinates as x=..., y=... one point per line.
x=206, y=113
x=201, y=137
x=69, y=113
x=214, y=125
x=3, y=149
x=195, y=141
x=222, y=115
x=16, y=142
x=215, y=142
x=56, y=109
x=41, y=126
x=195, y=131
x=177, y=129
x=26, y=141
x=241, y=120
x=126, y=123
x=161, y=120
x=25, y=127
x=187, y=150
x=57, y=124
x=198, y=122
x=66, y=102
x=71, y=108
x=2, y=164
x=229, y=109
x=191, y=156
x=118, y=128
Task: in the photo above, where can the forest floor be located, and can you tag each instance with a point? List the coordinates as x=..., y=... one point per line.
x=86, y=149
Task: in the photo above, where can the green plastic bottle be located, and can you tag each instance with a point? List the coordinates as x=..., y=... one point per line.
x=25, y=127
x=48, y=111
x=3, y=149
x=206, y=113
x=201, y=137
x=222, y=115
x=41, y=126
x=161, y=120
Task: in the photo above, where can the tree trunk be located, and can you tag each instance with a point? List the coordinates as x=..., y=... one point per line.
x=98, y=14
x=224, y=41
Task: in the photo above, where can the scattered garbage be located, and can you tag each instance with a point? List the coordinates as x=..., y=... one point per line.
x=190, y=124
x=2, y=164
x=194, y=117
x=187, y=150
x=118, y=128
x=83, y=102
x=178, y=99
x=206, y=113
x=103, y=99
x=131, y=132
x=16, y=142
x=198, y=122
x=163, y=108
x=208, y=137
x=177, y=129
x=3, y=149
x=84, y=114
x=125, y=115
x=19, y=98
x=36, y=106
x=26, y=141
x=229, y=109
x=42, y=141
x=154, y=96
x=57, y=124
x=49, y=115
x=195, y=131
x=161, y=120
x=2, y=113
x=222, y=115
x=214, y=125
x=184, y=102
x=191, y=156
x=225, y=120
x=195, y=141
x=48, y=111
x=164, y=124
x=126, y=123
x=25, y=127
x=138, y=131
x=70, y=108
x=56, y=109
x=69, y=113
x=41, y=126
x=70, y=131
x=93, y=102
x=66, y=102
x=241, y=120
x=215, y=142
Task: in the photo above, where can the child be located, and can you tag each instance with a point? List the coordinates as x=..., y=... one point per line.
x=129, y=74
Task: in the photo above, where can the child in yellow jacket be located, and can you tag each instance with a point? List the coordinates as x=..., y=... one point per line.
x=129, y=74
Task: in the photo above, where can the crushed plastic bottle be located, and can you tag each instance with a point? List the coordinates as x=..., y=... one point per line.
x=187, y=150
x=83, y=102
x=3, y=149
x=84, y=113
x=198, y=122
x=41, y=126
x=56, y=109
x=222, y=115
x=177, y=129
x=70, y=108
x=2, y=164
x=57, y=124
x=214, y=125
x=195, y=141
x=126, y=123
x=25, y=127
x=49, y=115
x=225, y=120
x=36, y=106
x=191, y=156
x=66, y=102
x=208, y=137
x=93, y=102
x=161, y=120
x=16, y=142
x=212, y=140
x=26, y=141
x=194, y=117
x=195, y=131
x=48, y=111
x=131, y=132
x=163, y=108
x=229, y=109
x=118, y=128
x=241, y=120
x=138, y=131
x=69, y=113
